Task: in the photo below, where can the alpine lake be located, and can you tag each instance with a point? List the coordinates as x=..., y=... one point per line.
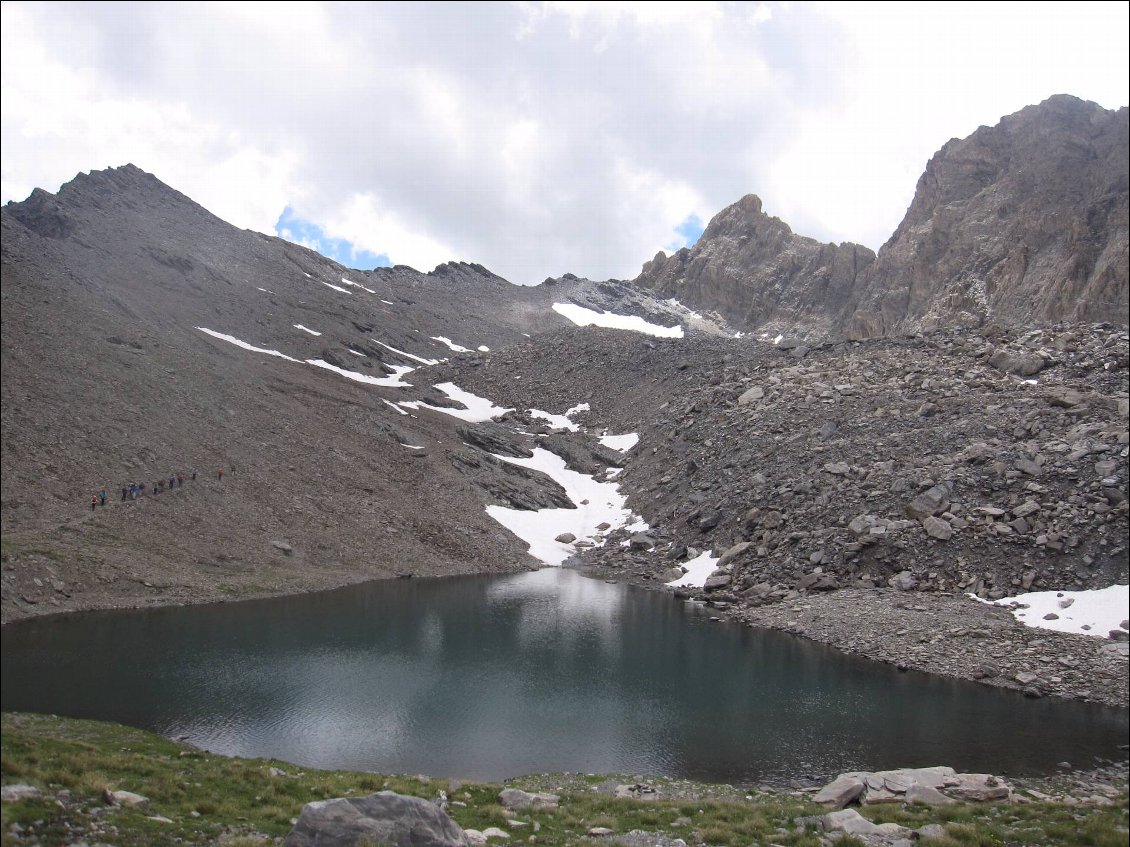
x=547, y=671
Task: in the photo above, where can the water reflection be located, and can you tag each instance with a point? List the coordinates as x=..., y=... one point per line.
x=491, y=677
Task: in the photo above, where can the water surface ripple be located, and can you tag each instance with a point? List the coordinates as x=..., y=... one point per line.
x=491, y=677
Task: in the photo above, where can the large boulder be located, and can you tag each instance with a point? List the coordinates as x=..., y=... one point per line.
x=385, y=818
x=515, y=798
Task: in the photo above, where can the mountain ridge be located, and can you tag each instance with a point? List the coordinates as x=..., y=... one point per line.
x=1022, y=222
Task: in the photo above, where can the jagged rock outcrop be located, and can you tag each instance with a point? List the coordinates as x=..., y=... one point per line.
x=754, y=271
x=1022, y=222
x=1025, y=221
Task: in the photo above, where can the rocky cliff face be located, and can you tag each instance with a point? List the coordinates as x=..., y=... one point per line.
x=1022, y=222
x=755, y=272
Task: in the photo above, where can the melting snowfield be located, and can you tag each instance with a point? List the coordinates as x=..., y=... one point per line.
x=478, y=410
x=561, y=421
x=307, y=329
x=587, y=317
x=623, y=443
x=698, y=569
x=1094, y=612
x=597, y=503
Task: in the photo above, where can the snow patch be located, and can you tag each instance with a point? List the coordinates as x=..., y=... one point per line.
x=357, y=285
x=335, y=287
x=1101, y=609
x=482, y=348
x=394, y=407
x=391, y=381
x=389, y=302
x=307, y=329
x=587, y=317
x=698, y=569
x=231, y=339
x=623, y=443
x=419, y=359
x=442, y=339
x=597, y=503
x=478, y=410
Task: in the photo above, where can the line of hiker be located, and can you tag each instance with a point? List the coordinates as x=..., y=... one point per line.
x=133, y=490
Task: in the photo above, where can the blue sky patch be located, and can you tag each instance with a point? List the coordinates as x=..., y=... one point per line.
x=299, y=231
x=689, y=231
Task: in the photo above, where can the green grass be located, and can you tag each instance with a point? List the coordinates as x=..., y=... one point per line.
x=240, y=803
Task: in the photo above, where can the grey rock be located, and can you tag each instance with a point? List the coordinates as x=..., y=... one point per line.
x=932, y=501
x=849, y=821
x=1021, y=364
x=840, y=792
x=751, y=395
x=928, y=795
x=125, y=798
x=19, y=791
x=717, y=580
x=641, y=541
x=937, y=528
x=566, y=538
x=932, y=832
x=979, y=787
x=514, y=798
x=903, y=581
x=384, y=818
x=733, y=552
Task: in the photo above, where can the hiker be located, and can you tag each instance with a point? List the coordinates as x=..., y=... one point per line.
x=125, y=491
x=102, y=495
x=220, y=474
x=93, y=502
x=172, y=481
x=194, y=474
x=180, y=481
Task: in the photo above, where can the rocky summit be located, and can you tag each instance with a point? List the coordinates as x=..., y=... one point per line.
x=1023, y=222
x=947, y=417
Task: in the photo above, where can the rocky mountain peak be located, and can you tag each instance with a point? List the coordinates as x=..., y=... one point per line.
x=1021, y=222
x=754, y=271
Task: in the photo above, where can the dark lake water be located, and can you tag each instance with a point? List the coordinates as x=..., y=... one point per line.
x=491, y=677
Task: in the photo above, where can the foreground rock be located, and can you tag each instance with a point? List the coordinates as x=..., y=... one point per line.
x=385, y=818
x=933, y=786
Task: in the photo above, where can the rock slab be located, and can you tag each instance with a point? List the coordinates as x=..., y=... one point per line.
x=382, y=818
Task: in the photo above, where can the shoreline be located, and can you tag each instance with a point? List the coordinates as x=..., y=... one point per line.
x=937, y=633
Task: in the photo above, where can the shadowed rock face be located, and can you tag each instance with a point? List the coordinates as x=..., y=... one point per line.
x=1025, y=221
x=1022, y=222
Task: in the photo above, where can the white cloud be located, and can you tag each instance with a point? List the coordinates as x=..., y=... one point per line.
x=533, y=138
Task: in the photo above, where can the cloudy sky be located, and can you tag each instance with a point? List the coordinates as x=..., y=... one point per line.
x=533, y=138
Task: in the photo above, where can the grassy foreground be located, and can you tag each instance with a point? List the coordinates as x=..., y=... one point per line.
x=200, y=798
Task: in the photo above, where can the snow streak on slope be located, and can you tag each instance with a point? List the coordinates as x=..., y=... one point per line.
x=307, y=329
x=231, y=339
x=419, y=359
x=443, y=339
x=587, y=317
x=392, y=381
